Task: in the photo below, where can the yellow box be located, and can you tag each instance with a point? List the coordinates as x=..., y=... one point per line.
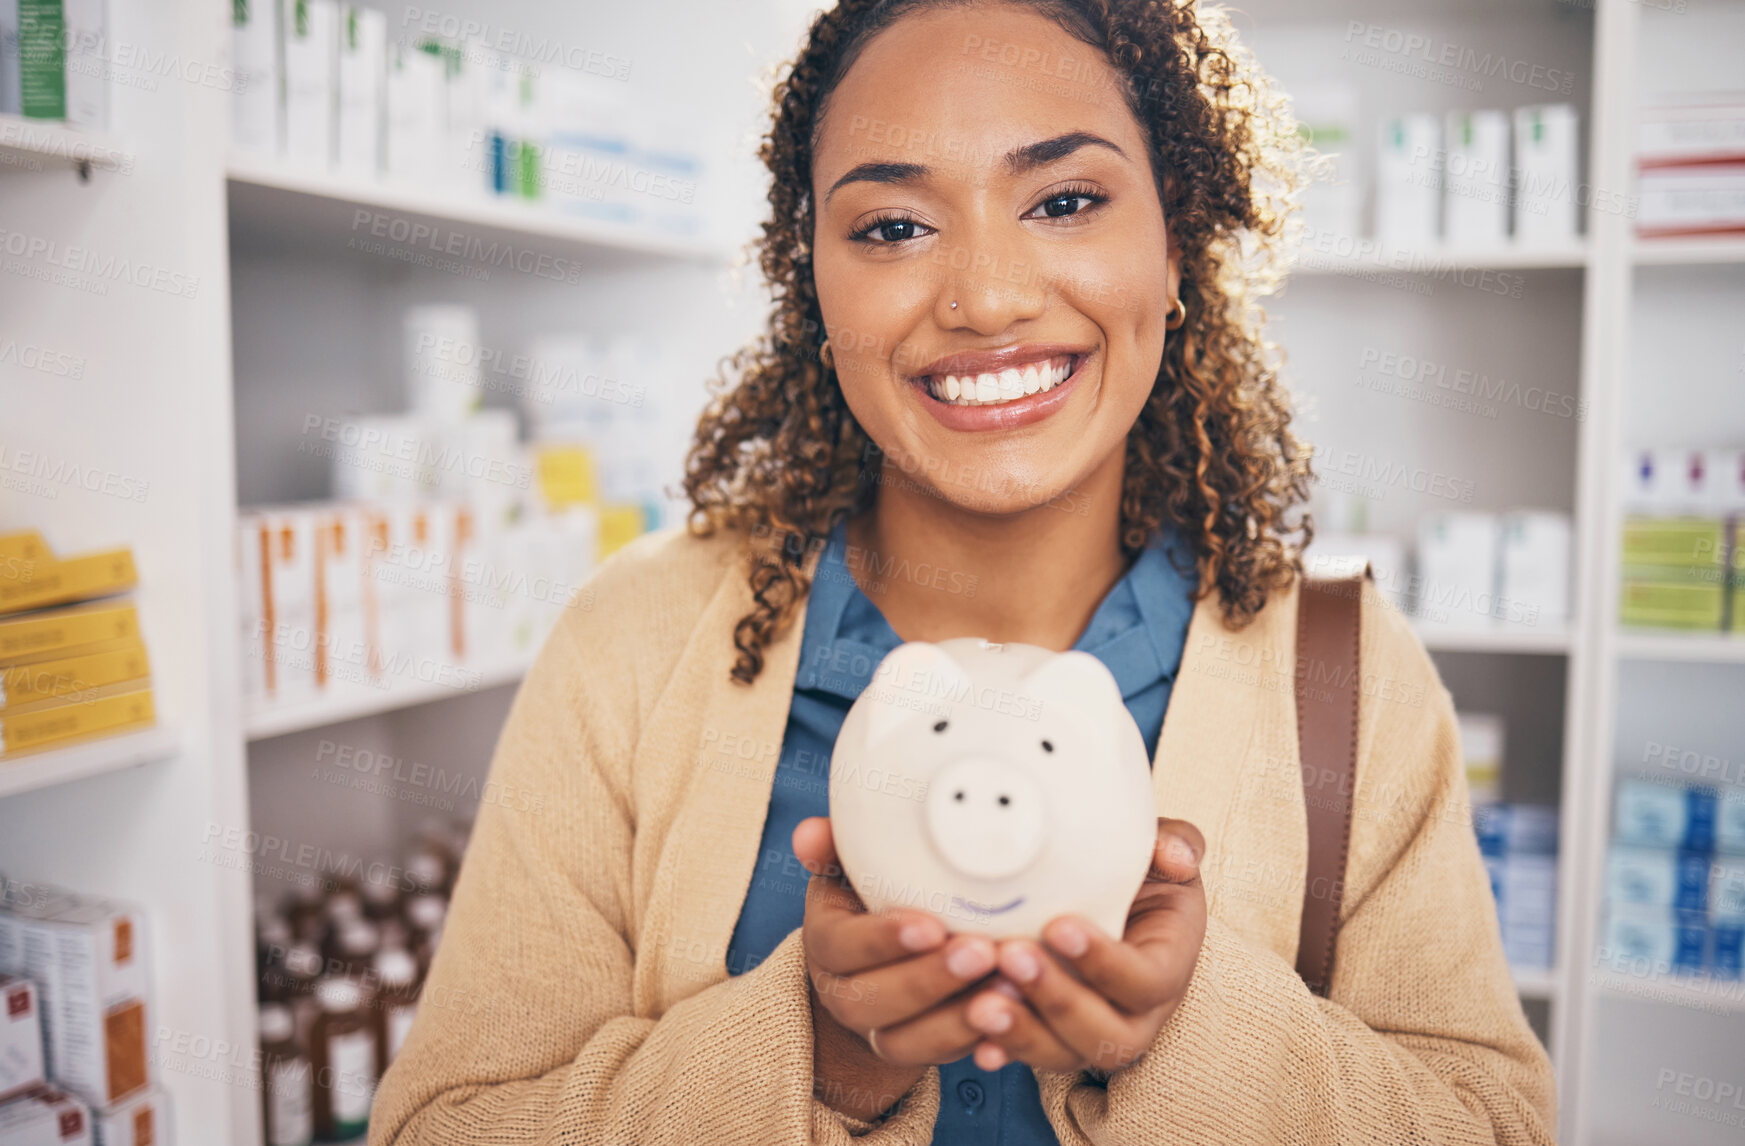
x=24, y=545
x=49, y=723
x=32, y=585
x=71, y=676
x=56, y=633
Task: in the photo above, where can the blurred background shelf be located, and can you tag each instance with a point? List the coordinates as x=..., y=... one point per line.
x=89, y=758
x=1713, y=996
x=1695, y=250
x=1452, y=639
x=358, y=702
x=33, y=145
x=272, y=199
x=1373, y=256
x=1717, y=648
x=1536, y=982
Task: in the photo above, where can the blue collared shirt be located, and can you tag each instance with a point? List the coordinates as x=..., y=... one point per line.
x=1138, y=631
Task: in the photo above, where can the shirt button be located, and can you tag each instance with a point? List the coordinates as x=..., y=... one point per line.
x=971, y=1092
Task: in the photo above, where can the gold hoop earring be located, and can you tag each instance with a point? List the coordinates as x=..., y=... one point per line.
x=827, y=357
x=1178, y=314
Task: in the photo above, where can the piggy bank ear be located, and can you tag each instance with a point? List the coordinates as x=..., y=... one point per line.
x=1075, y=679
x=911, y=673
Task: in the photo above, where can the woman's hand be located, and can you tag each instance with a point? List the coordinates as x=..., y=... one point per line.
x=894, y=975
x=1095, y=1002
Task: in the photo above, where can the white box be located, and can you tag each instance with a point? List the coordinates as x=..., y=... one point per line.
x=311, y=41
x=251, y=617
x=1641, y=875
x=88, y=79
x=1691, y=201
x=21, y=1057
x=466, y=164
x=442, y=362
x=407, y=566
x=143, y=1120
x=1690, y=133
x=1727, y=888
x=384, y=458
x=1481, y=744
x=1546, y=180
x=255, y=124
x=1649, y=814
x=415, y=124
x=363, y=61
x=1408, y=184
x=10, y=97
x=1529, y=890
x=46, y=1117
x=1729, y=822
x=342, y=648
x=1457, y=569
x=1475, y=198
x=287, y=624
x=1533, y=568
x=89, y=958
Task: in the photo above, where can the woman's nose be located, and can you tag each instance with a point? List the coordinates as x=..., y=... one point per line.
x=989, y=284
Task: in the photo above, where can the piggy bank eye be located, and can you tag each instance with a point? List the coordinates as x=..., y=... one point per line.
x=940, y=727
x=1048, y=746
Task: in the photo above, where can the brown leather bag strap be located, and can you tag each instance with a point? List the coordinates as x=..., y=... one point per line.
x=1329, y=632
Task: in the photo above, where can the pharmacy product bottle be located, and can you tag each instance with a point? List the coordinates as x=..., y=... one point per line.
x=427, y=871
x=355, y=948
x=272, y=939
x=424, y=915
x=343, y=1052
x=397, y=985
x=302, y=969
x=308, y=914
x=381, y=900
x=287, y=1082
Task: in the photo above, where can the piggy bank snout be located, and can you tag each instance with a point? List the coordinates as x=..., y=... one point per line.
x=985, y=818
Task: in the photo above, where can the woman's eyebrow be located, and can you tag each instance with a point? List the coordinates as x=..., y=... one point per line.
x=1021, y=159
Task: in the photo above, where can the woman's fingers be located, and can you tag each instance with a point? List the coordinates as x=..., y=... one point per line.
x=1012, y=1030
x=937, y=1035
x=896, y=992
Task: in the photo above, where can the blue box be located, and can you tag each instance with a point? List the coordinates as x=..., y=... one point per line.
x=1656, y=815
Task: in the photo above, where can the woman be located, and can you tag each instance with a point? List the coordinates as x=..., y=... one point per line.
x=1013, y=388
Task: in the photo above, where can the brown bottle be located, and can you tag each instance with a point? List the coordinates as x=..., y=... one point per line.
x=302, y=968
x=287, y=1081
x=343, y=1052
x=397, y=985
x=425, y=915
x=381, y=900
x=307, y=913
x=355, y=949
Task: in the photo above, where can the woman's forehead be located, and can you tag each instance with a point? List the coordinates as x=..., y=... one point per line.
x=958, y=89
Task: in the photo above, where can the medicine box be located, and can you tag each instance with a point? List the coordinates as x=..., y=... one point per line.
x=1655, y=876
x=1680, y=134
x=1408, y=190
x=1704, y=200
x=1533, y=567
x=143, y=1120
x=88, y=958
x=21, y=1053
x=1475, y=200
x=1658, y=815
x=310, y=35
x=363, y=45
x=1457, y=569
x=255, y=125
x=414, y=122
x=45, y=1117
x=87, y=52
x=1546, y=182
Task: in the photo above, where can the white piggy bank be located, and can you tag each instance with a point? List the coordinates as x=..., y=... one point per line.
x=994, y=786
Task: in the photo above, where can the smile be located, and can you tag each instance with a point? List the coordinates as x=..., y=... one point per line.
x=997, y=388
x=981, y=910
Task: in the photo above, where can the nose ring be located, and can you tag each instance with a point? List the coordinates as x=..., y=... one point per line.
x=954, y=305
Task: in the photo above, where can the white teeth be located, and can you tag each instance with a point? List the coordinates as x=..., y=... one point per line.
x=1006, y=386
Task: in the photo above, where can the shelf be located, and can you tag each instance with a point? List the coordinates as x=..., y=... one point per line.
x=89, y=758
x=1715, y=648
x=1451, y=639
x=1371, y=256
x=1716, y=996
x=1535, y=982
x=34, y=145
x=359, y=702
x=273, y=199
x=1685, y=252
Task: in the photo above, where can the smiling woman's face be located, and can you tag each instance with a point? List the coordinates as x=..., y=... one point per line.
x=985, y=156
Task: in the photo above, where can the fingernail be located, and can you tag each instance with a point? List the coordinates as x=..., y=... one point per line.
x=919, y=936
x=991, y=1018
x=990, y=1057
x=970, y=961
x=1020, y=964
x=1177, y=851
x=1069, y=939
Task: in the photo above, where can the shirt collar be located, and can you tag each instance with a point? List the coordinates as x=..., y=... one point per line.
x=1138, y=630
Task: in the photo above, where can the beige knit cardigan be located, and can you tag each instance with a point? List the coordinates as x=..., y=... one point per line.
x=580, y=994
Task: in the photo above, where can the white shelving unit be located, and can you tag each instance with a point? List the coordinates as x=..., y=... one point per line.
x=356, y=703
x=106, y=754
x=182, y=388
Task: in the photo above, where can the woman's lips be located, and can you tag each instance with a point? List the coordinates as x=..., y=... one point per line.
x=1011, y=413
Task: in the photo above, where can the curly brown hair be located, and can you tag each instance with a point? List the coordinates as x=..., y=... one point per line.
x=778, y=454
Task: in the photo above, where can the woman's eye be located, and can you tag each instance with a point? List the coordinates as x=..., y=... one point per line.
x=890, y=231
x=1061, y=205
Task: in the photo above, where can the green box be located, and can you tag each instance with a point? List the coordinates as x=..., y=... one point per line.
x=42, y=59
